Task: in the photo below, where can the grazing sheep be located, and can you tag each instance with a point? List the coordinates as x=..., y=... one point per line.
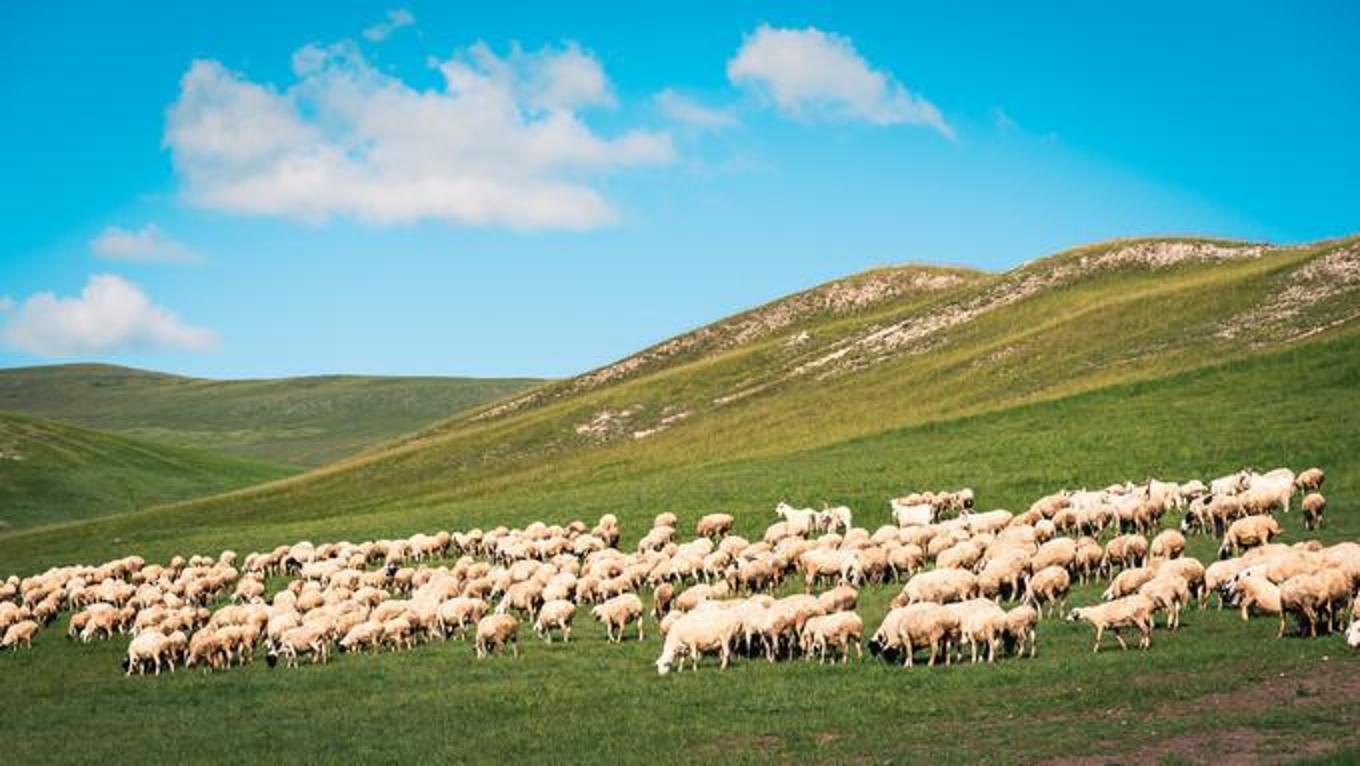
x=1130, y=611
x=1021, y=625
x=147, y=648
x=365, y=634
x=618, y=613
x=924, y=624
x=1248, y=532
x=1310, y=480
x=981, y=622
x=1168, y=593
x=839, y=628
x=1127, y=582
x=695, y=633
x=555, y=614
x=1048, y=586
x=1168, y=544
x=496, y=630
x=1255, y=591
x=20, y=634
x=1313, y=506
x=840, y=599
x=714, y=525
x=304, y=639
x=941, y=586
x=1126, y=551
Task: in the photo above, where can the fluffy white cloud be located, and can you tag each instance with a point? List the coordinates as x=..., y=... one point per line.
x=685, y=110
x=396, y=19
x=110, y=315
x=499, y=144
x=811, y=74
x=148, y=244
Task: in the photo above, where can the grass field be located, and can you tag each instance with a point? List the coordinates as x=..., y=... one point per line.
x=53, y=473
x=1116, y=375
x=287, y=421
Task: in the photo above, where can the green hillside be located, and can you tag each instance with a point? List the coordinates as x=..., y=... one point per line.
x=289, y=421
x=52, y=473
x=1168, y=358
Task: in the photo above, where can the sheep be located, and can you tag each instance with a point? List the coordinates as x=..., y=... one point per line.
x=20, y=634
x=555, y=614
x=838, y=627
x=1127, y=582
x=924, y=624
x=1060, y=551
x=838, y=517
x=1310, y=480
x=1047, y=586
x=1255, y=591
x=941, y=586
x=714, y=525
x=304, y=639
x=399, y=633
x=1004, y=574
x=981, y=621
x=1313, y=506
x=840, y=599
x=1130, y=611
x=1306, y=596
x=1021, y=625
x=695, y=633
x=1125, y=550
x=1168, y=593
x=367, y=633
x=1168, y=544
x=1248, y=532
x=148, y=647
x=494, y=631
x=618, y=613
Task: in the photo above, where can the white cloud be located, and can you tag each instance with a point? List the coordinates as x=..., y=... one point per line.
x=110, y=315
x=396, y=19
x=1002, y=120
x=499, y=144
x=811, y=74
x=6, y=304
x=148, y=244
x=685, y=110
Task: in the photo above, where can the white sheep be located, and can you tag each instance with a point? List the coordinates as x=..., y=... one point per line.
x=618, y=613
x=555, y=614
x=695, y=633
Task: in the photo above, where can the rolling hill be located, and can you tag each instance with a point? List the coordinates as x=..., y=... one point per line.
x=50, y=472
x=304, y=421
x=1173, y=358
x=889, y=351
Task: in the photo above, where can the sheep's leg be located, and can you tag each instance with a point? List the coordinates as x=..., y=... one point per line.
x=1100, y=630
x=1123, y=647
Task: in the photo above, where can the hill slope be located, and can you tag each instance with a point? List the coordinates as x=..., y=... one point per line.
x=890, y=355
x=290, y=421
x=51, y=473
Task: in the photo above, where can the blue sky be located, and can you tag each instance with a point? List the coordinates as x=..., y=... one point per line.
x=412, y=188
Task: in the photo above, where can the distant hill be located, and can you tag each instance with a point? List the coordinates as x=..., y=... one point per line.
x=303, y=422
x=52, y=473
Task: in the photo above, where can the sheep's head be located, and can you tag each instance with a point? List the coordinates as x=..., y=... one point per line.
x=1353, y=635
x=663, y=666
x=272, y=658
x=1074, y=615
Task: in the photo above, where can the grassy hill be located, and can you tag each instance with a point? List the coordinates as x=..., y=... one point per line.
x=1169, y=358
x=304, y=421
x=52, y=473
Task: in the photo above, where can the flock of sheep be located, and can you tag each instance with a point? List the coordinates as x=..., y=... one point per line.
x=715, y=594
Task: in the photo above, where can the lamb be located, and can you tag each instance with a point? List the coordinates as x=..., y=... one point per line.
x=1248, y=532
x=1048, y=586
x=617, y=614
x=694, y=633
x=1313, y=506
x=304, y=639
x=365, y=634
x=714, y=525
x=981, y=621
x=20, y=634
x=1130, y=611
x=840, y=628
x=496, y=630
x=555, y=614
x=1305, y=595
